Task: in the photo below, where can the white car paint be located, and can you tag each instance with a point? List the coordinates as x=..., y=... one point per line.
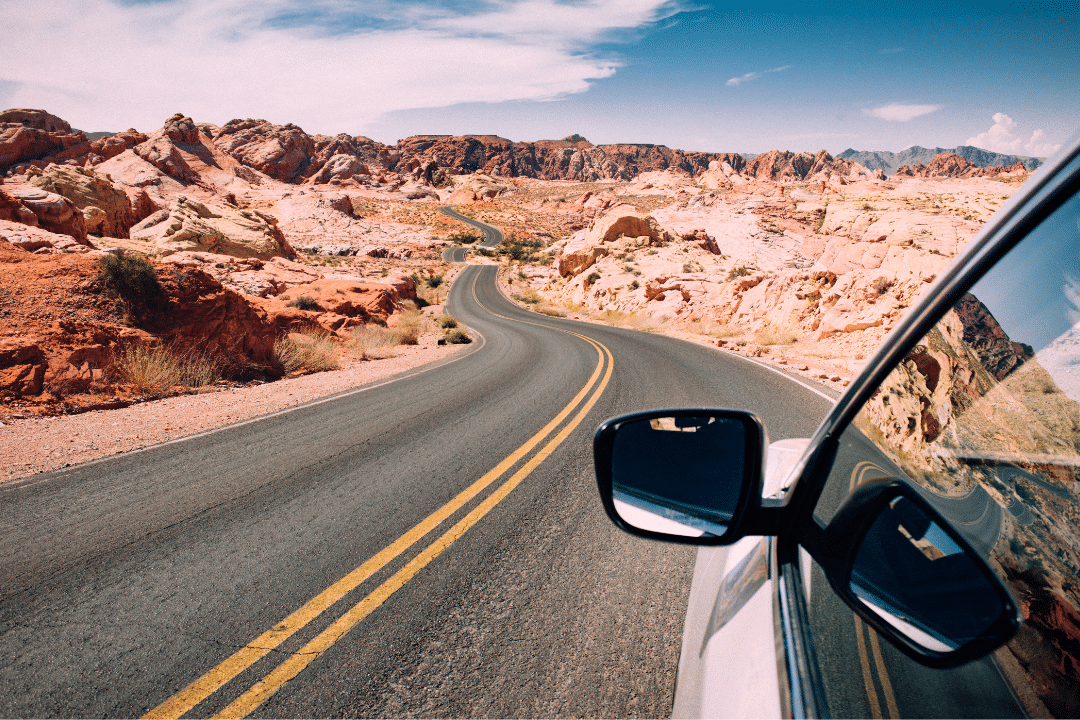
x=728, y=666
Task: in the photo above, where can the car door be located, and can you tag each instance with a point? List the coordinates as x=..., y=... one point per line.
x=974, y=402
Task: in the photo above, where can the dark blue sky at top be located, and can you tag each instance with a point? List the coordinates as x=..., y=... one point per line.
x=971, y=59
x=713, y=76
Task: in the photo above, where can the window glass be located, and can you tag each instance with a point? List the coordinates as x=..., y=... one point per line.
x=983, y=417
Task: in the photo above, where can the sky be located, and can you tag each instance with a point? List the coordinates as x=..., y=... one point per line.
x=708, y=76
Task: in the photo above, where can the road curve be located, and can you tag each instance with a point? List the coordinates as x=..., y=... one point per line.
x=492, y=235
x=127, y=582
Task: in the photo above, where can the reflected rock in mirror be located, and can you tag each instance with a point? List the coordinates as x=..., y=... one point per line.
x=912, y=573
x=679, y=475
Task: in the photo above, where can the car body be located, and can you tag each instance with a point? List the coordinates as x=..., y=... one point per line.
x=967, y=416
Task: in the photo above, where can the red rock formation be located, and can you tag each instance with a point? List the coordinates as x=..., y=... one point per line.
x=69, y=330
x=50, y=211
x=105, y=206
x=786, y=166
x=108, y=147
x=37, y=119
x=951, y=165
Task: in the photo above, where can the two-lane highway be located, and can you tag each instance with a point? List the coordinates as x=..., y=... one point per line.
x=427, y=546
x=492, y=235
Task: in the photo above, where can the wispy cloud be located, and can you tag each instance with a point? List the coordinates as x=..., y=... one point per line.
x=327, y=65
x=1001, y=138
x=901, y=113
x=737, y=81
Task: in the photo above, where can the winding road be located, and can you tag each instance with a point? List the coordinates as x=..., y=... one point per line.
x=428, y=545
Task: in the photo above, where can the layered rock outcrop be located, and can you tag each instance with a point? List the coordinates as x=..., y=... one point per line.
x=190, y=225
x=105, y=206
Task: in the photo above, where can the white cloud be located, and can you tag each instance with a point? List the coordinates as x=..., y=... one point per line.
x=1001, y=138
x=328, y=65
x=737, y=81
x=901, y=113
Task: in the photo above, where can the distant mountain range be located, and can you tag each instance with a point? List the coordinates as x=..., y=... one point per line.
x=889, y=161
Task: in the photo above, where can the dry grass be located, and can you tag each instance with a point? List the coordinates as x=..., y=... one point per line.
x=410, y=326
x=373, y=342
x=770, y=335
x=311, y=351
x=632, y=320
x=717, y=329
x=156, y=368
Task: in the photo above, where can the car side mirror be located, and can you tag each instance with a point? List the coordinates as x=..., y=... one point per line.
x=685, y=475
x=912, y=577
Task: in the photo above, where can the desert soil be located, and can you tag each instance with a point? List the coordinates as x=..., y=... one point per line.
x=32, y=445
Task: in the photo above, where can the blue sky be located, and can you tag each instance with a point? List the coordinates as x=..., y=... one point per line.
x=692, y=75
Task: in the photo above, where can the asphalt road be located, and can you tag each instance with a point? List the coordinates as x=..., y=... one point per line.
x=492, y=235
x=281, y=566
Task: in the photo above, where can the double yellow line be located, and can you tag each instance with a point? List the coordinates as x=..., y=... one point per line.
x=198, y=691
x=860, y=474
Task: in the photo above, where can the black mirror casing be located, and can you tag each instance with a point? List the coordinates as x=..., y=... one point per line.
x=701, y=466
x=941, y=616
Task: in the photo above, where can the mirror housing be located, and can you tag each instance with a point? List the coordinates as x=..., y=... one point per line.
x=913, y=578
x=683, y=475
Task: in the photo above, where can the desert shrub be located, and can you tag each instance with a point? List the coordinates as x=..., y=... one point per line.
x=551, y=312
x=465, y=237
x=434, y=281
x=372, y=341
x=530, y=297
x=410, y=327
x=311, y=351
x=881, y=284
x=457, y=336
x=132, y=279
x=156, y=367
x=304, y=302
x=592, y=278
x=446, y=322
x=739, y=271
x=634, y=285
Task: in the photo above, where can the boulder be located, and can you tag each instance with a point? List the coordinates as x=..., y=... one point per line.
x=192, y=225
x=36, y=119
x=53, y=212
x=35, y=239
x=113, y=145
x=106, y=208
x=22, y=367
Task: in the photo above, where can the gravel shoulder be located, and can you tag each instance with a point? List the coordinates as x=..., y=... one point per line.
x=36, y=445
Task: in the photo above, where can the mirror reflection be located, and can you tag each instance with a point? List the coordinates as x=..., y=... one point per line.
x=680, y=475
x=914, y=575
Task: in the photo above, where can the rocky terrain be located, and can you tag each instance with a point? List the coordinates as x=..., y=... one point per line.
x=257, y=231
x=890, y=162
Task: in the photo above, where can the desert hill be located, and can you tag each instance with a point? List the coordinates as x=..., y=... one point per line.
x=890, y=162
x=262, y=231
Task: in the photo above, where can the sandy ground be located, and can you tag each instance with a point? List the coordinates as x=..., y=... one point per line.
x=35, y=445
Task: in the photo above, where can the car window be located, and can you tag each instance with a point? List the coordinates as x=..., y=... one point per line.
x=983, y=417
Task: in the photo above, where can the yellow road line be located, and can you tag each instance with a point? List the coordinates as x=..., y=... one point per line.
x=268, y=686
x=859, y=475
x=868, y=678
x=883, y=675
x=244, y=658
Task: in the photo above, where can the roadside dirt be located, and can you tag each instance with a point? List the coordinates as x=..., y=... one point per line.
x=32, y=445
